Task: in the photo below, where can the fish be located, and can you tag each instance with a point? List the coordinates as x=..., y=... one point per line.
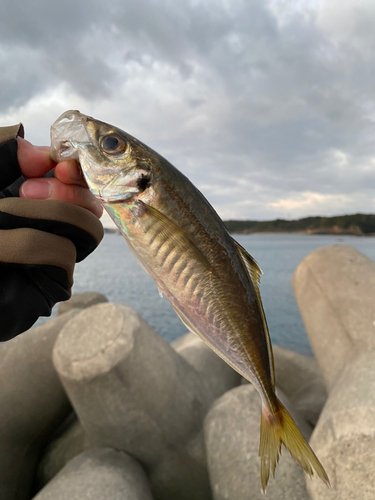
x=177, y=237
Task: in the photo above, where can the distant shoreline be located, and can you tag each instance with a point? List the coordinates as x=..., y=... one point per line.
x=306, y=233
x=117, y=231
x=340, y=225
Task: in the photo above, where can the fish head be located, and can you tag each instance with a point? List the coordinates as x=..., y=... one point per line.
x=116, y=166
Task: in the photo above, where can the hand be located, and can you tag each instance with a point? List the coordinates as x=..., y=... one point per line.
x=68, y=184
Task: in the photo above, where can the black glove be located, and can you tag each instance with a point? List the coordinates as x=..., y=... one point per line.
x=40, y=241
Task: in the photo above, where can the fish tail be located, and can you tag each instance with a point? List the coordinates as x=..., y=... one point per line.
x=279, y=428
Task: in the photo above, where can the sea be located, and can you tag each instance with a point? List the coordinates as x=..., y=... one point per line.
x=113, y=271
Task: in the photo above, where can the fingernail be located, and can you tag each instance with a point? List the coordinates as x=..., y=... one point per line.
x=36, y=189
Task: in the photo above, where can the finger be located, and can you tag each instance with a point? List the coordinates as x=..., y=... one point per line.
x=53, y=189
x=34, y=161
x=69, y=172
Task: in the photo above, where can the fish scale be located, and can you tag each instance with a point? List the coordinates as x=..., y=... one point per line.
x=165, y=253
x=210, y=280
x=202, y=297
x=156, y=245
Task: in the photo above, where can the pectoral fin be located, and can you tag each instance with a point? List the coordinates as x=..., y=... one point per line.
x=171, y=232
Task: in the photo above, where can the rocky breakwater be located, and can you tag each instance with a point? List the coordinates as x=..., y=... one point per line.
x=232, y=432
x=95, y=404
x=335, y=291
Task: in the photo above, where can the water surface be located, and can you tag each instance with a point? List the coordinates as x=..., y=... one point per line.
x=113, y=271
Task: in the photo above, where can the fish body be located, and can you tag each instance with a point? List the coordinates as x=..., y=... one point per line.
x=177, y=237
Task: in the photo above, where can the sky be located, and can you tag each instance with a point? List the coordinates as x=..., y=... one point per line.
x=268, y=106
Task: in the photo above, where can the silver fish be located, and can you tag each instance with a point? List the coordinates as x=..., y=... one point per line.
x=178, y=238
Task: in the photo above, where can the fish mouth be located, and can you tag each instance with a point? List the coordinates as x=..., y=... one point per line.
x=70, y=138
x=67, y=132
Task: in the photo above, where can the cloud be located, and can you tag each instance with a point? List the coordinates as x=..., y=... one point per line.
x=257, y=102
x=310, y=201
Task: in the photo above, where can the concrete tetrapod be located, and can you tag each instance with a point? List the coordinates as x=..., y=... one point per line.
x=344, y=438
x=215, y=373
x=133, y=392
x=300, y=380
x=98, y=474
x=32, y=405
x=232, y=441
x=82, y=301
x=335, y=289
x=66, y=443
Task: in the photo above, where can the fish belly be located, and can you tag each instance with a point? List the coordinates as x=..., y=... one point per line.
x=204, y=303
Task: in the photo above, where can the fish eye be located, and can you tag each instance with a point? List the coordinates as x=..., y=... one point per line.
x=112, y=144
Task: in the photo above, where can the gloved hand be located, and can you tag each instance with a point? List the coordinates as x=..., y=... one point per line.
x=40, y=241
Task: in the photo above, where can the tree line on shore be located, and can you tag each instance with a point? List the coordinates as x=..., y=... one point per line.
x=355, y=224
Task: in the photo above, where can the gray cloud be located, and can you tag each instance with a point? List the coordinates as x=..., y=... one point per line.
x=255, y=102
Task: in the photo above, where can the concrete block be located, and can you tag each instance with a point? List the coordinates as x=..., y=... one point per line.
x=97, y=475
x=65, y=444
x=232, y=429
x=299, y=378
x=33, y=404
x=215, y=373
x=81, y=301
x=335, y=288
x=133, y=392
x=344, y=437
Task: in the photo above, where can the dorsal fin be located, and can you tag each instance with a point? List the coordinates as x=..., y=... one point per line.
x=254, y=271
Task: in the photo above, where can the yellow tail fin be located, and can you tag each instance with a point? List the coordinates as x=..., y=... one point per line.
x=280, y=428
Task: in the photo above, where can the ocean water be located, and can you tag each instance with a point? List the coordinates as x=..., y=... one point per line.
x=113, y=271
